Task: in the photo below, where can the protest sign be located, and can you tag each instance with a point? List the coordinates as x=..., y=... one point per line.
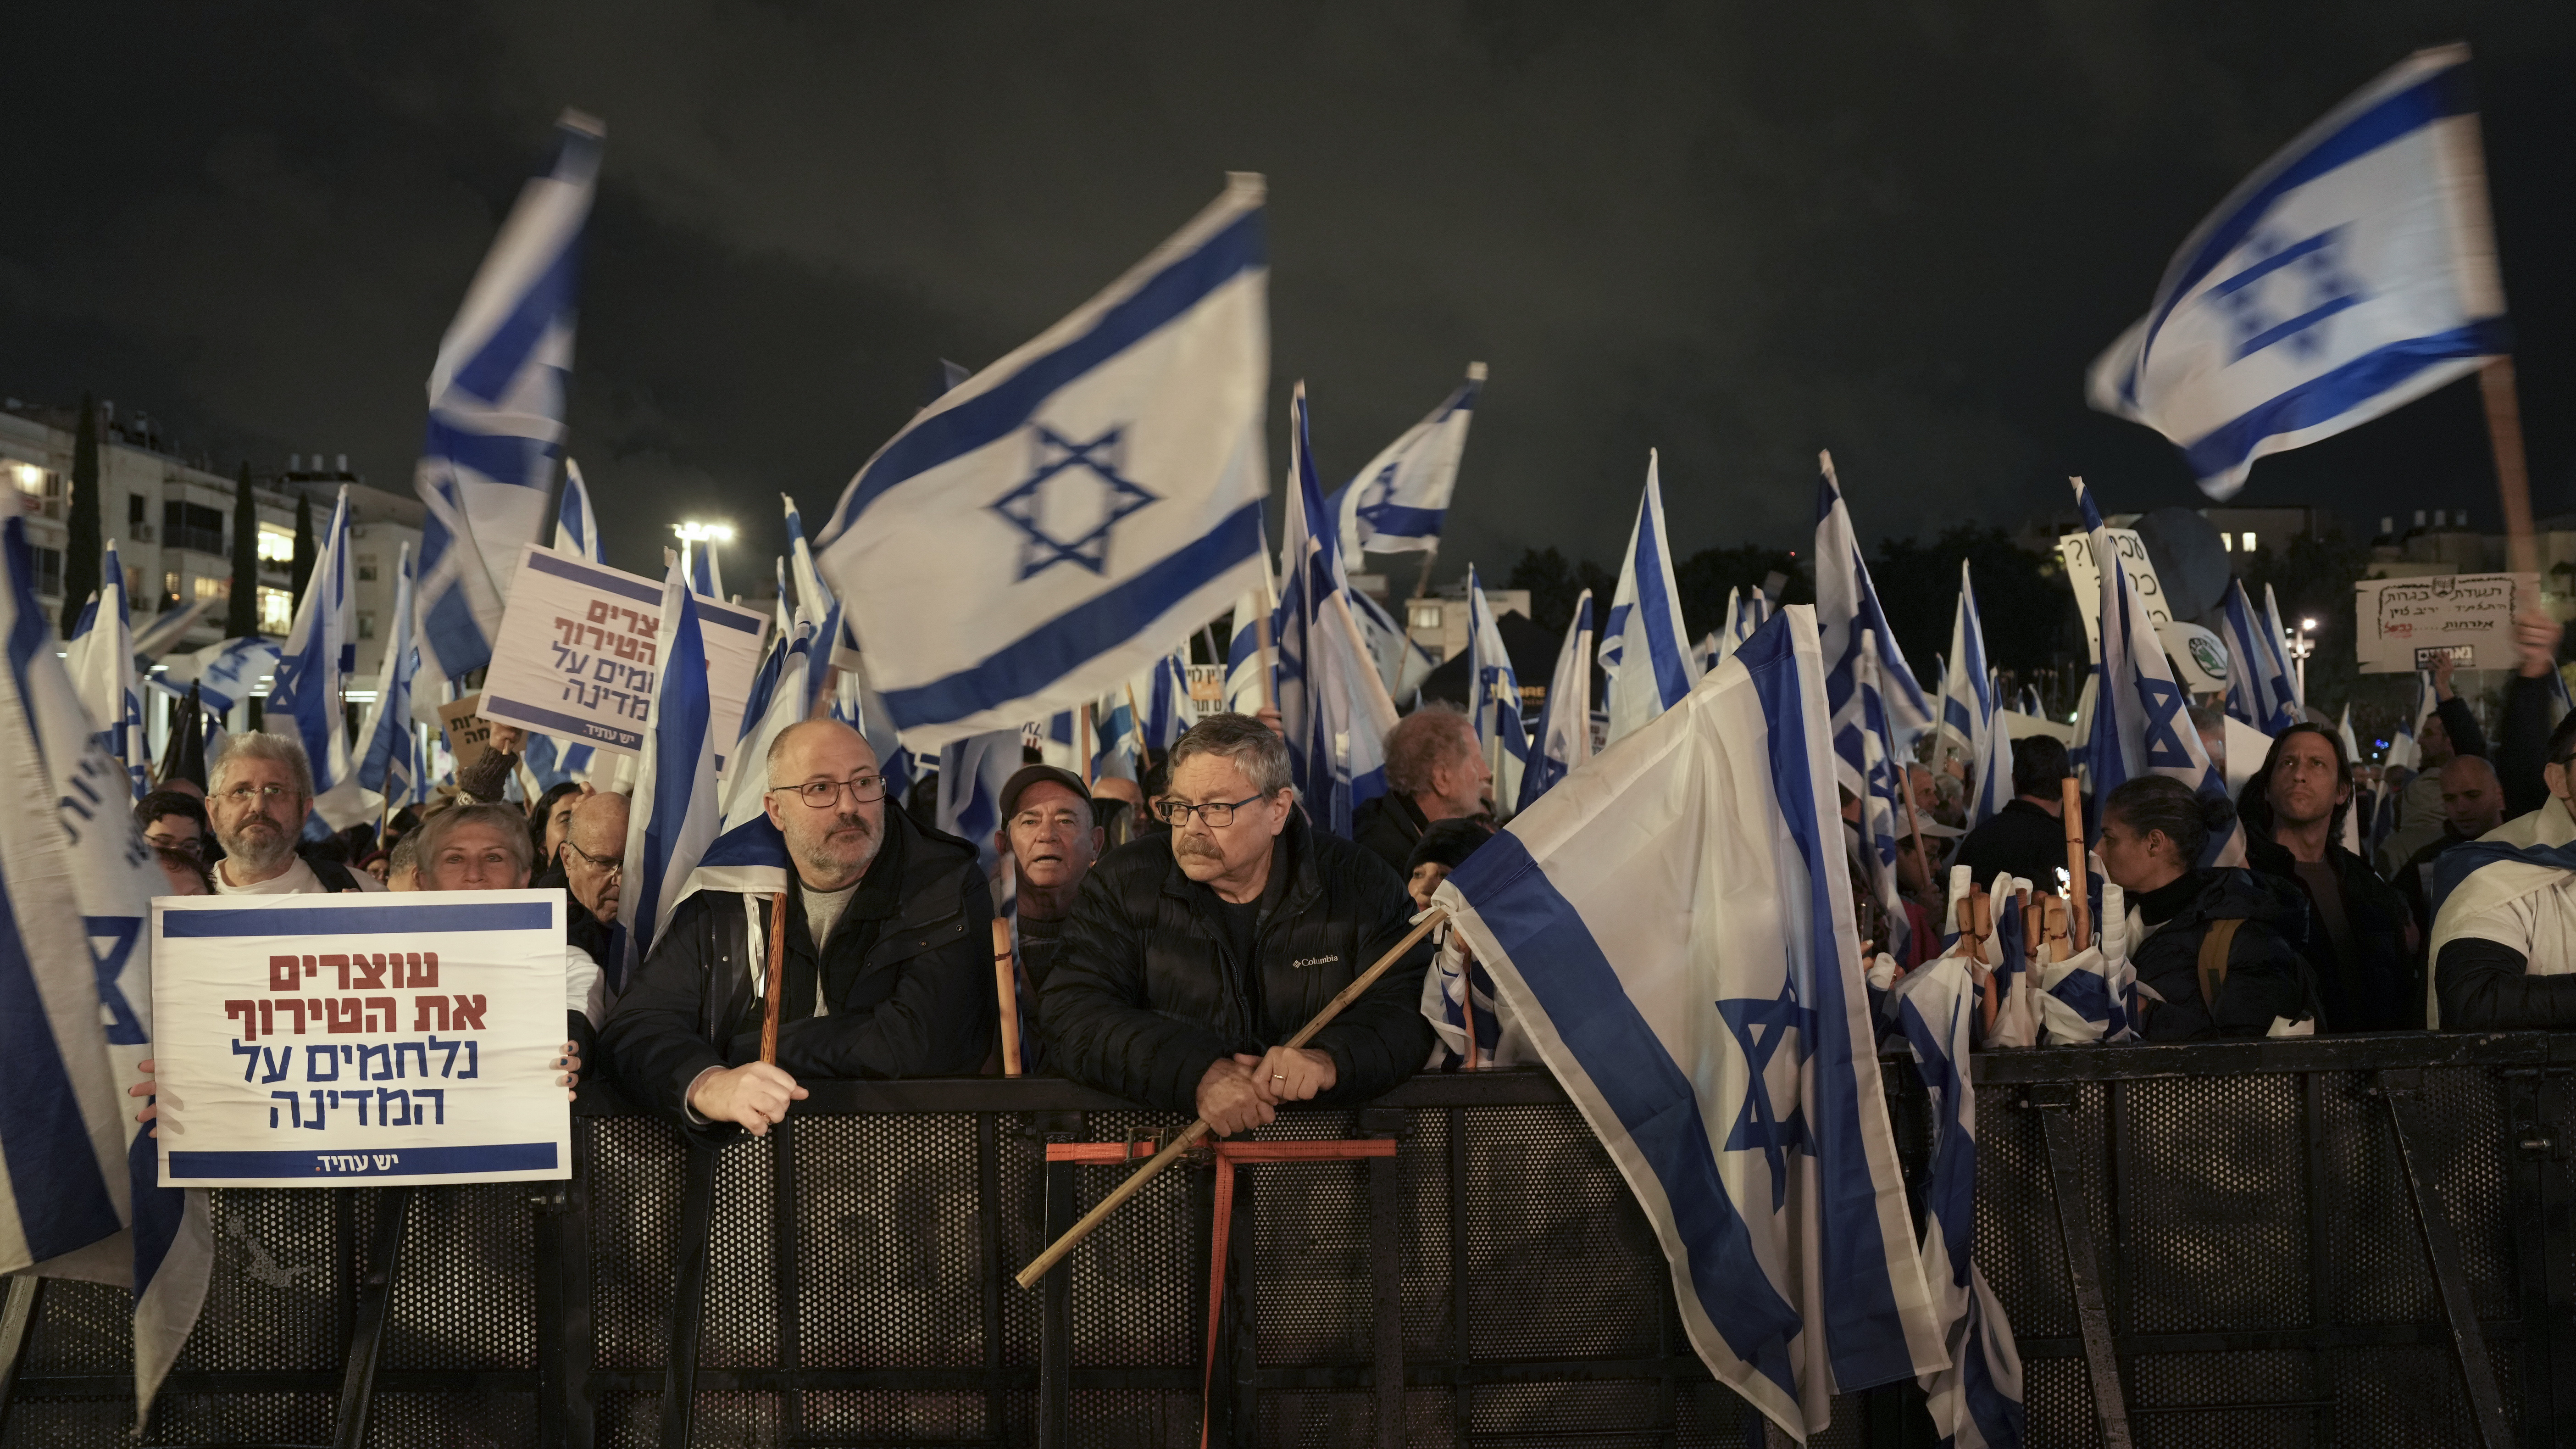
x=309, y=1041
x=578, y=655
x=2401, y=625
x=2075, y=555
x=468, y=734
x=1207, y=691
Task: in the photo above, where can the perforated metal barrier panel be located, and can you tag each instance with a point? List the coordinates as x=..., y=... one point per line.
x=2263, y=1274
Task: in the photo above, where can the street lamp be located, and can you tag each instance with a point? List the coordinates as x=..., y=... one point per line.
x=2301, y=646
x=694, y=534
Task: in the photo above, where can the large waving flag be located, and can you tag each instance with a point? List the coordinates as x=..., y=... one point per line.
x=1565, y=721
x=313, y=670
x=387, y=748
x=1969, y=709
x=1645, y=655
x=576, y=527
x=2353, y=273
x=1332, y=704
x=2258, y=670
x=227, y=672
x=2139, y=720
x=100, y=655
x=496, y=406
x=1399, y=501
x=164, y=633
x=1672, y=928
x=675, y=812
x=1847, y=613
x=80, y=1198
x=1077, y=508
x=1494, y=701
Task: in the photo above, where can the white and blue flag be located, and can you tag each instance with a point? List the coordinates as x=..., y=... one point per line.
x=313, y=669
x=576, y=527
x=1645, y=655
x=100, y=655
x=1970, y=712
x=80, y=1198
x=227, y=672
x=496, y=406
x=2353, y=273
x=1401, y=664
x=706, y=577
x=1251, y=662
x=1847, y=612
x=1882, y=800
x=1565, y=721
x=972, y=772
x=1746, y=610
x=1332, y=704
x=1168, y=712
x=2140, y=723
x=2258, y=670
x=1077, y=508
x=1398, y=503
x=1494, y=701
x=387, y=764
x=675, y=812
x=164, y=633
x=1672, y=928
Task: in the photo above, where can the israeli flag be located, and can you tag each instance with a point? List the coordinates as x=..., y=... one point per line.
x=675, y=813
x=1168, y=712
x=1565, y=721
x=226, y=673
x=81, y=1197
x=553, y=762
x=1969, y=709
x=2258, y=671
x=313, y=669
x=1080, y=506
x=1882, y=801
x=496, y=406
x=1976, y=1401
x=1847, y=612
x=2139, y=723
x=1332, y=705
x=972, y=772
x=164, y=633
x=1645, y=655
x=698, y=555
x=1250, y=669
x=857, y=706
x=2353, y=273
x=1494, y=701
x=1399, y=501
x=576, y=527
x=385, y=758
x=1401, y=664
x=1672, y=928
x=1746, y=611
x=100, y=655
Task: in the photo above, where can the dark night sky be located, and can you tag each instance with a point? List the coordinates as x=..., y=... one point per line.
x=1737, y=232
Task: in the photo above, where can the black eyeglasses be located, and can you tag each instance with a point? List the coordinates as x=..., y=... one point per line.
x=824, y=794
x=609, y=863
x=1217, y=813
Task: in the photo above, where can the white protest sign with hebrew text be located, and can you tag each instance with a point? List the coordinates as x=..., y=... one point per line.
x=2075, y=555
x=579, y=653
x=2401, y=624
x=316, y=1040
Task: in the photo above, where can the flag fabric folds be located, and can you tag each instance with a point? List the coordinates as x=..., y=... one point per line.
x=1969, y=709
x=385, y=756
x=972, y=772
x=2352, y=273
x=705, y=576
x=1332, y=704
x=226, y=672
x=496, y=406
x=1645, y=655
x=1168, y=713
x=100, y=655
x=1672, y=928
x=674, y=815
x=1494, y=701
x=1565, y=721
x=313, y=669
x=1076, y=508
x=76, y=883
x=1401, y=664
x=576, y=526
x=158, y=637
x=1398, y=502
x=1847, y=612
x=2258, y=671
x=2280, y=637
x=1882, y=804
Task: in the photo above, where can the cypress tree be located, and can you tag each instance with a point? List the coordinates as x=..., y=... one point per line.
x=82, y=549
x=301, y=569
x=241, y=618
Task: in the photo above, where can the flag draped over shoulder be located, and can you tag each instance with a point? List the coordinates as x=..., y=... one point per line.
x=1332, y=704
x=1565, y=721
x=1847, y=614
x=1673, y=928
x=1494, y=701
x=1050, y=526
x=313, y=669
x=496, y=406
x=2258, y=669
x=675, y=813
x=100, y=655
x=2351, y=274
x=576, y=527
x=1645, y=655
x=1398, y=503
x=76, y=884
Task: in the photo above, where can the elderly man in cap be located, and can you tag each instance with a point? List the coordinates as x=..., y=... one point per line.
x=1048, y=832
x=889, y=954
x=1191, y=957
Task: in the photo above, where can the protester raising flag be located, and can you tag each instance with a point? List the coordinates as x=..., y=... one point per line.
x=100, y=655
x=76, y=968
x=1332, y=706
x=1077, y=508
x=496, y=407
x=2353, y=273
x=385, y=756
x=1709, y=1019
x=1969, y=710
x=1847, y=612
x=2258, y=672
x=2139, y=723
x=675, y=812
x=576, y=527
x=1645, y=655
x=1565, y=721
x=1494, y=701
x=1398, y=503
x=313, y=670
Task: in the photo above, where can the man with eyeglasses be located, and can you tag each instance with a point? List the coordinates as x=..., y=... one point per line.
x=1190, y=957
x=889, y=955
x=173, y=820
x=259, y=797
x=594, y=867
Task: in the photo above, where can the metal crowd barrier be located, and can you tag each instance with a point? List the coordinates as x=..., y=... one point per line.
x=2337, y=1241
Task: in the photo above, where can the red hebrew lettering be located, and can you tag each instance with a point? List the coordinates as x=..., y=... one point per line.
x=282, y=975
x=248, y=1011
x=347, y=1014
x=369, y=971
x=600, y=609
x=342, y=962
x=388, y=1007
x=298, y=1008
x=468, y=1018
x=423, y=1006
x=424, y=968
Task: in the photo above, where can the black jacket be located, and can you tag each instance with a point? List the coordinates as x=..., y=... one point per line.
x=2488, y=986
x=2522, y=746
x=2266, y=975
x=909, y=968
x=1145, y=993
x=1388, y=827
x=2410, y=876
x=2381, y=988
x=2021, y=838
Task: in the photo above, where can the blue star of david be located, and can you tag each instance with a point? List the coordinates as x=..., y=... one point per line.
x=111, y=940
x=2164, y=707
x=1373, y=506
x=1056, y=462
x=2282, y=296
x=1757, y=1125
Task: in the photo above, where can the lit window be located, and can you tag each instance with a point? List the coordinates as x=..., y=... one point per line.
x=2227, y=542
x=214, y=588
x=276, y=611
x=2249, y=543
x=276, y=545
x=170, y=584
x=366, y=626
x=1426, y=616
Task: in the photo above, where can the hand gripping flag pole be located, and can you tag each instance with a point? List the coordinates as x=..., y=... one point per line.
x=1062, y=1247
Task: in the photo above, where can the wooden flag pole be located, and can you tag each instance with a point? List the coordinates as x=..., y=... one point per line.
x=2078, y=886
x=2513, y=475
x=1005, y=981
x=1082, y=744
x=772, y=986
x=1058, y=1250
x=1269, y=688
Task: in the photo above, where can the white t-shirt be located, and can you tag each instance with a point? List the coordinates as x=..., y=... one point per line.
x=2540, y=924
x=297, y=879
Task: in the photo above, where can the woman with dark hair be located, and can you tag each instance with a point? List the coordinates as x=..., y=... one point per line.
x=2227, y=929
x=550, y=820
x=2359, y=935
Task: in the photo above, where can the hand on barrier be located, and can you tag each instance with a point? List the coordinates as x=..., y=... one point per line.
x=754, y=1095
x=1231, y=1098
x=1294, y=1074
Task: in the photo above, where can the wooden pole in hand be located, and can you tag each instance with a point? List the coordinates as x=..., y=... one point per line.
x=1261, y=637
x=2078, y=885
x=1062, y=1247
x=771, y=985
x=2513, y=475
x=1005, y=981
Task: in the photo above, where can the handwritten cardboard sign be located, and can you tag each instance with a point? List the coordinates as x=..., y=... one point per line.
x=469, y=735
x=2401, y=624
x=580, y=651
x=2084, y=573
x=311, y=1041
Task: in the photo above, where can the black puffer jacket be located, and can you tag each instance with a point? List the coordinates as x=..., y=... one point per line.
x=2382, y=987
x=1145, y=993
x=2266, y=975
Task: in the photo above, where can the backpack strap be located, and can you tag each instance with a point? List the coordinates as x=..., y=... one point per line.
x=2213, y=960
x=334, y=876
